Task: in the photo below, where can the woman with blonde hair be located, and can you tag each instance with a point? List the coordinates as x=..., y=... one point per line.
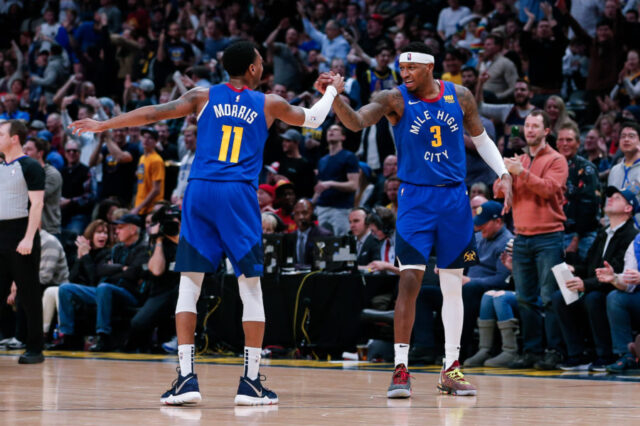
x=557, y=112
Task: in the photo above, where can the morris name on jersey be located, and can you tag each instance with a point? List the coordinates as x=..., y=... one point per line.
x=241, y=112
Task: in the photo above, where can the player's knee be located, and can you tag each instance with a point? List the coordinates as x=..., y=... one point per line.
x=251, y=295
x=189, y=292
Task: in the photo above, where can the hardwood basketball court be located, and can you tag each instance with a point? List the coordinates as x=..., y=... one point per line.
x=115, y=389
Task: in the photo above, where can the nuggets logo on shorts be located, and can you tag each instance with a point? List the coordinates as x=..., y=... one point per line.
x=470, y=256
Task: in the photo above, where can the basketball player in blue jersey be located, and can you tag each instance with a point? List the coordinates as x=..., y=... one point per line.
x=220, y=207
x=428, y=118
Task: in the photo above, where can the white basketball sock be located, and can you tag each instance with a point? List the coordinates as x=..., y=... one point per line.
x=401, y=354
x=251, y=362
x=186, y=354
x=452, y=313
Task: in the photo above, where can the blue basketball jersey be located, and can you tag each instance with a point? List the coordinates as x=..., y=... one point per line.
x=232, y=131
x=429, y=139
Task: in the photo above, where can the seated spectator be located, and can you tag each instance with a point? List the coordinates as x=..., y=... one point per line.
x=595, y=151
x=489, y=273
x=453, y=61
x=269, y=223
x=53, y=272
x=382, y=223
x=77, y=198
x=307, y=231
x=608, y=248
x=367, y=245
x=161, y=281
x=557, y=112
x=119, y=284
x=266, y=195
x=93, y=250
x=11, y=111
x=337, y=183
x=284, y=202
x=497, y=307
x=476, y=202
x=479, y=188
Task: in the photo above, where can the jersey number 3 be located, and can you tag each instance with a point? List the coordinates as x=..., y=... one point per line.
x=437, y=137
x=237, y=141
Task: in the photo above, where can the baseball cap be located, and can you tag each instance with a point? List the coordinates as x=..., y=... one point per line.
x=37, y=125
x=269, y=189
x=486, y=212
x=292, y=135
x=377, y=17
x=129, y=219
x=45, y=134
x=145, y=84
x=627, y=194
x=273, y=167
x=282, y=185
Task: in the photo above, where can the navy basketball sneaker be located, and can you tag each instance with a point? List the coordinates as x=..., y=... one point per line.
x=184, y=390
x=251, y=392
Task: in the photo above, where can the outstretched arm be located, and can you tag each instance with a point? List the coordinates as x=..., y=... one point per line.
x=485, y=146
x=383, y=103
x=190, y=102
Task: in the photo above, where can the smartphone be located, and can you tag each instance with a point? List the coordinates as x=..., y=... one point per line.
x=515, y=131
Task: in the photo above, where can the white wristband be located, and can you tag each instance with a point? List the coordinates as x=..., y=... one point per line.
x=489, y=153
x=315, y=116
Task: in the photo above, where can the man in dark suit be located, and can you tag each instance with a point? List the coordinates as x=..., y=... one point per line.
x=306, y=233
x=367, y=245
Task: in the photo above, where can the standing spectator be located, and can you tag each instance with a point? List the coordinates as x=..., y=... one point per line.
x=374, y=36
x=367, y=245
x=51, y=215
x=556, y=109
x=288, y=58
x=608, y=248
x=77, y=196
x=11, y=111
x=119, y=159
x=453, y=61
x=54, y=125
x=190, y=138
x=449, y=17
x=114, y=15
x=595, y=151
x=337, y=183
x=167, y=149
x=627, y=172
x=150, y=174
x=627, y=91
x=22, y=182
x=502, y=73
x=380, y=75
x=294, y=166
x=545, y=49
x=306, y=233
x=55, y=73
x=332, y=44
x=539, y=184
x=582, y=207
x=376, y=145
x=214, y=39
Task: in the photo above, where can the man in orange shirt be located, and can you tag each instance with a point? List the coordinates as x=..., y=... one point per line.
x=150, y=174
x=539, y=185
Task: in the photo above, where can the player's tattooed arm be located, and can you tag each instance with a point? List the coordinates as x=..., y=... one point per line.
x=385, y=102
x=191, y=102
x=472, y=123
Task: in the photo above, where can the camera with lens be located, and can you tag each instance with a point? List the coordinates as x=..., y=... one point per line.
x=168, y=217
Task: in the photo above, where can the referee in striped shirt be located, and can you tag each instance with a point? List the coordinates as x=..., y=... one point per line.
x=21, y=200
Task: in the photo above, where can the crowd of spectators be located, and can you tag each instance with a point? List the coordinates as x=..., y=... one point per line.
x=577, y=61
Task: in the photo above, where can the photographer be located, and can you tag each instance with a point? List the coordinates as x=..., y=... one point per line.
x=160, y=279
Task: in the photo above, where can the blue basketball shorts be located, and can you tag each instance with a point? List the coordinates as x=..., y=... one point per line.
x=435, y=217
x=220, y=218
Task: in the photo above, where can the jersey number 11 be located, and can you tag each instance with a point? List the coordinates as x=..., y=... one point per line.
x=237, y=141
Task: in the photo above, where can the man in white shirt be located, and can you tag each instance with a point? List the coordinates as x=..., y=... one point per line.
x=449, y=18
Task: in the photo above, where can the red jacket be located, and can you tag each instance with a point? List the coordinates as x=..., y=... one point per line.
x=538, y=193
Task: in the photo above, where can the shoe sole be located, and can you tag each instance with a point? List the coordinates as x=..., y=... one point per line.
x=399, y=393
x=30, y=361
x=246, y=400
x=445, y=390
x=187, y=398
x=581, y=367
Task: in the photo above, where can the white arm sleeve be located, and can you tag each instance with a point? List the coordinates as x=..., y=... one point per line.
x=315, y=116
x=489, y=153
